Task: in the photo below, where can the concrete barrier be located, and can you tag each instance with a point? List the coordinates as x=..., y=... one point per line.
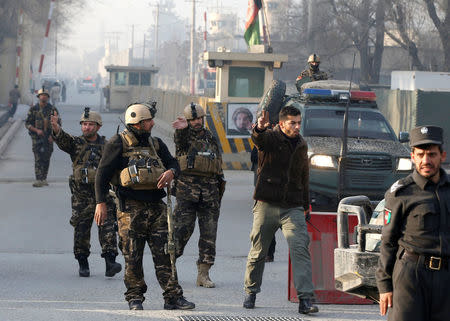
x=4, y=141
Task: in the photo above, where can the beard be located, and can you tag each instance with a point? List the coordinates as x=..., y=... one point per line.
x=89, y=134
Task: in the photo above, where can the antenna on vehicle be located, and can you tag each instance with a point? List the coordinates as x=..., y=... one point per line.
x=343, y=154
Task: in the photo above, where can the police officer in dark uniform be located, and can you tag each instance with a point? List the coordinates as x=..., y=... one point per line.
x=413, y=275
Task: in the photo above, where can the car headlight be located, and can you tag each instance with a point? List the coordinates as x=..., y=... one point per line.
x=324, y=161
x=404, y=164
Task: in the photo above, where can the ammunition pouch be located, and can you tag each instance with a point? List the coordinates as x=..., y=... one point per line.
x=144, y=165
x=201, y=163
x=136, y=177
x=84, y=175
x=39, y=124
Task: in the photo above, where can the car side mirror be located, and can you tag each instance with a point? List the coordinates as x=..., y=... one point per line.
x=403, y=137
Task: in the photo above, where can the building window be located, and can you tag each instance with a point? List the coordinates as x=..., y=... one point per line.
x=145, y=79
x=120, y=78
x=134, y=79
x=246, y=82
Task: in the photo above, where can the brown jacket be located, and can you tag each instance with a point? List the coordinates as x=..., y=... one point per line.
x=283, y=172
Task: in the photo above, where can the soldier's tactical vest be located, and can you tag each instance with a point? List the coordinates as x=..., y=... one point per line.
x=201, y=158
x=86, y=163
x=42, y=121
x=144, y=165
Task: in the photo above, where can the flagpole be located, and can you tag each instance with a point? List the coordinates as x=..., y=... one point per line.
x=266, y=23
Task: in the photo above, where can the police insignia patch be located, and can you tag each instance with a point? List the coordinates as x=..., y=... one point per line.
x=395, y=186
x=387, y=216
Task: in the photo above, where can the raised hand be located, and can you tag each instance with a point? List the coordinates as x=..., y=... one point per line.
x=263, y=121
x=54, y=120
x=180, y=123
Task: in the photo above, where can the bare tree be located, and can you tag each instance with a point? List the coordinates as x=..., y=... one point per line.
x=442, y=25
x=401, y=15
x=363, y=24
x=36, y=11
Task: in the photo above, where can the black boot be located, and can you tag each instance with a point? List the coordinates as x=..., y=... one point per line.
x=178, y=304
x=112, y=267
x=249, y=301
x=84, y=267
x=135, y=305
x=305, y=306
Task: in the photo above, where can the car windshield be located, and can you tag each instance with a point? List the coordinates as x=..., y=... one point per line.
x=361, y=124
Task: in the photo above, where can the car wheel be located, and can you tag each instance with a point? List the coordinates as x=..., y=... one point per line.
x=273, y=100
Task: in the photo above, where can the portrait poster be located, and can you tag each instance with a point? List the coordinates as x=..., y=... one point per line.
x=240, y=117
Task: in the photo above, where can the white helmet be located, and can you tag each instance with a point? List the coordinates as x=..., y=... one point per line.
x=136, y=113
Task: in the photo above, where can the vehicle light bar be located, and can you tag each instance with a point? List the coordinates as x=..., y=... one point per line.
x=339, y=94
x=317, y=92
x=363, y=95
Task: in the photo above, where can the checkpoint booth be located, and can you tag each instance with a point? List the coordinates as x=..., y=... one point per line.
x=242, y=78
x=127, y=81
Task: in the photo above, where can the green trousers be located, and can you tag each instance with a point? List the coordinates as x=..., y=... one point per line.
x=267, y=219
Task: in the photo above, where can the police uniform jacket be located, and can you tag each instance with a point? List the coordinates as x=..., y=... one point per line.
x=417, y=219
x=283, y=171
x=113, y=161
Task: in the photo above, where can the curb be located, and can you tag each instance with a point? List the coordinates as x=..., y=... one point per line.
x=6, y=139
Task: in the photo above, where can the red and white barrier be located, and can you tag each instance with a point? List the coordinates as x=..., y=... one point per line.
x=44, y=44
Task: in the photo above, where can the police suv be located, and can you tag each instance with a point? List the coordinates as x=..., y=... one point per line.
x=376, y=157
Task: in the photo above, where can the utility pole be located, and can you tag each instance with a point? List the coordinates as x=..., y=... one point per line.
x=191, y=70
x=143, y=51
x=156, y=44
x=155, y=62
x=132, y=40
x=56, y=43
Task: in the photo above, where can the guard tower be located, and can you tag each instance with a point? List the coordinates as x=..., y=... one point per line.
x=242, y=78
x=126, y=82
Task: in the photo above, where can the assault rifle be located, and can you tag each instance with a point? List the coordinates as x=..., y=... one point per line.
x=170, y=245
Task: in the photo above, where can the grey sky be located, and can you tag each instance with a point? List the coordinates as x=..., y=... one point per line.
x=103, y=16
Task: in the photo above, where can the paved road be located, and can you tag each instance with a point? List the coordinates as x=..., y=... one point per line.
x=38, y=274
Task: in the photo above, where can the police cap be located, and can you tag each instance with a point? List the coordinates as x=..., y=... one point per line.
x=426, y=135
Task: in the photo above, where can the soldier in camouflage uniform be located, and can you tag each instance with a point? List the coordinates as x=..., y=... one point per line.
x=311, y=74
x=144, y=166
x=39, y=128
x=85, y=152
x=197, y=187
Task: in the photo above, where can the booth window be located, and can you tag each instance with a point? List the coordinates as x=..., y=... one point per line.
x=120, y=78
x=134, y=79
x=145, y=79
x=246, y=82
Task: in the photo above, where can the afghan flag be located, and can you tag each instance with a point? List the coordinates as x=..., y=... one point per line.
x=251, y=34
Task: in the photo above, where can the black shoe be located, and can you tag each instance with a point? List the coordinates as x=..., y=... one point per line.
x=305, y=306
x=178, y=304
x=112, y=267
x=135, y=305
x=84, y=267
x=249, y=301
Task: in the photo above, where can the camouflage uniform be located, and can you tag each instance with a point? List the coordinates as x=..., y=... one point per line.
x=197, y=195
x=142, y=218
x=86, y=155
x=318, y=75
x=140, y=223
x=42, y=148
